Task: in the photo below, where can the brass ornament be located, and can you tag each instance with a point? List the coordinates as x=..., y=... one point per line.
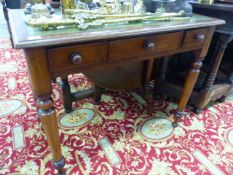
x=77, y=14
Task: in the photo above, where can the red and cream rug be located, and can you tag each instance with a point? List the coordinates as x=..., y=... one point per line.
x=116, y=137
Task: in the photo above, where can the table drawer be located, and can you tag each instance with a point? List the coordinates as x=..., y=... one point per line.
x=126, y=48
x=63, y=58
x=195, y=37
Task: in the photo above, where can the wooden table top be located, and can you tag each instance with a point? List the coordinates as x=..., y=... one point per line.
x=24, y=36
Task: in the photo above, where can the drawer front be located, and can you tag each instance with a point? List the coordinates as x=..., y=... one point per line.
x=76, y=56
x=195, y=37
x=140, y=46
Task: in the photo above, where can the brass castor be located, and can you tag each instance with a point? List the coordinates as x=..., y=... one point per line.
x=59, y=166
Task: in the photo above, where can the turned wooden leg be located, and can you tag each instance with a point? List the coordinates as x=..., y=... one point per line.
x=188, y=88
x=221, y=47
x=48, y=118
x=41, y=87
x=163, y=69
x=149, y=70
x=148, y=95
x=97, y=93
x=162, y=77
x=66, y=94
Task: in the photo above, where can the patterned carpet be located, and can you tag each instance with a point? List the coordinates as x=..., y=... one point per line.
x=118, y=137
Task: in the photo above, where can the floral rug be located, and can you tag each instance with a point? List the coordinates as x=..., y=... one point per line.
x=120, y=136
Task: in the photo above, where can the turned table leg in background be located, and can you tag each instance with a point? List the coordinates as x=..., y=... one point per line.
x=41, y=87
x=188, y=87
x=66, y=94
x=162, y=76
x=223, y=41
x=97, y=93
x=69, y=97
x=163, y=70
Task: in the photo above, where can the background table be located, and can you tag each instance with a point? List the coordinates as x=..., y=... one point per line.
x=213, y=84
x=224, y=34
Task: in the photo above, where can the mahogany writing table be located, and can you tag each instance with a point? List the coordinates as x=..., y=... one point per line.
x=54, y=53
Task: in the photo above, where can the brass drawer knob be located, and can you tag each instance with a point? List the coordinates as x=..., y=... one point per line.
x=149, y=45
x=76, y=58
x=199, y=37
